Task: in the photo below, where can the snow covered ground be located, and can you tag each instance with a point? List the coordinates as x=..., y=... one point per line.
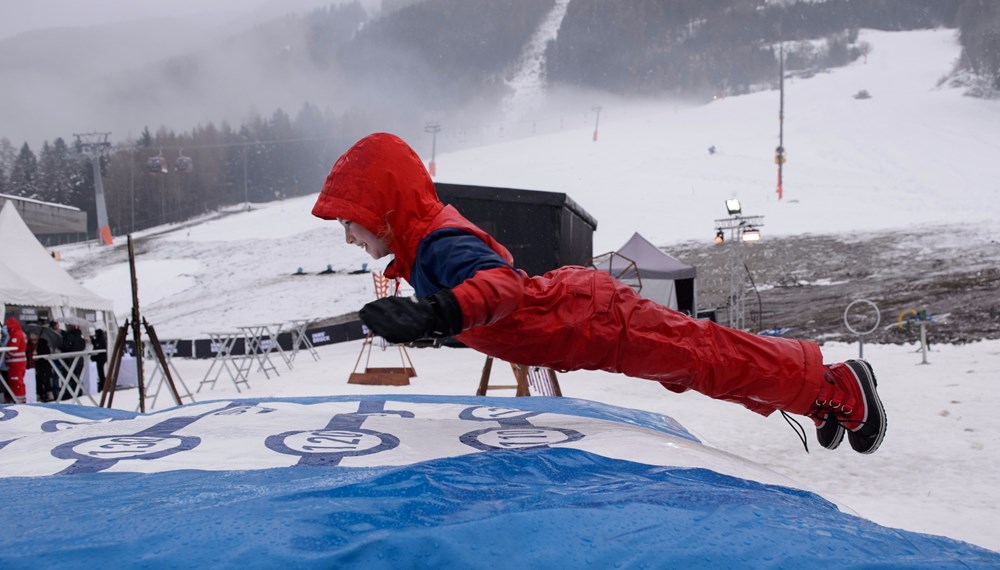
x=914, y=154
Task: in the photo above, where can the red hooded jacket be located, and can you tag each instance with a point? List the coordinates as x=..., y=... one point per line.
x=570, y=318
x=16, y=360
x=18, y=341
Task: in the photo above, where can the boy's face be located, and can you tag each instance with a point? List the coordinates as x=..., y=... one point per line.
x=366, y=240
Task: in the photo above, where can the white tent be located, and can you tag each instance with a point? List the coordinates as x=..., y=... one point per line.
x=664, y=278
x=30, y=277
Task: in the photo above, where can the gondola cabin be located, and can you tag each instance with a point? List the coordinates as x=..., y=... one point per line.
x=156, y=165
x=183, y=164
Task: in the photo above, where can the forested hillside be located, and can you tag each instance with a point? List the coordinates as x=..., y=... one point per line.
x=421, y=60
x=704, y=48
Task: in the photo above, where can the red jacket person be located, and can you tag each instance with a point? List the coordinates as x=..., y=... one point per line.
x=16, y=361
x=572, y=318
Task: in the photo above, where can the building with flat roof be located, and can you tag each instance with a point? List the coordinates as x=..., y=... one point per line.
x=51, y=223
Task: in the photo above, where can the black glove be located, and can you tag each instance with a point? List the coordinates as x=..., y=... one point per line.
x=405, y=319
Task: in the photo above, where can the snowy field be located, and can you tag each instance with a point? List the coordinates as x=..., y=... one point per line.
x=914, y=154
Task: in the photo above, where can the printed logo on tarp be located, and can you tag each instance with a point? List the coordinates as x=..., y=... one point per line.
x=515, y=430
x=320, y=337
x=95, y=454
x=342, y=437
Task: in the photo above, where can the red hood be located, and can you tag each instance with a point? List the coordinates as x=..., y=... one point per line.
x=13, y=325
x=382, y=184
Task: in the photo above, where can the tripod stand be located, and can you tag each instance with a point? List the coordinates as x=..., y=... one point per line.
x=115, y=361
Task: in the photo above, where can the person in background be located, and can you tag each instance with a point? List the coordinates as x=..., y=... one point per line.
x=4, y=337
x=29, y=354
x=571, y=318
x=16, y=360
x=49, y=342
x=100, y=342
x=73, y=341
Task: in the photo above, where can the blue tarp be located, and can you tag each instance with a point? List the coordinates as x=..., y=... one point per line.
x=424, y=482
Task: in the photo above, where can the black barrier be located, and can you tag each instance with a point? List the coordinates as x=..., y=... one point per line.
x=202, y=347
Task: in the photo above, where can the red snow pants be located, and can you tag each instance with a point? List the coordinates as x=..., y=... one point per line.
x=575, y=318
x=15, y=378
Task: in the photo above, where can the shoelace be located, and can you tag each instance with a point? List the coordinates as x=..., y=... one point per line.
x=797, y=428
x=825, y=410
x=821, y=406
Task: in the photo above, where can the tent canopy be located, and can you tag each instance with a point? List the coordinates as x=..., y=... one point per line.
x=664, y=278
x=30, y=277
x=652, y=262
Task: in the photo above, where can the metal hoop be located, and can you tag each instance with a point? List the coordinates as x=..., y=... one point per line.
x=878, y=317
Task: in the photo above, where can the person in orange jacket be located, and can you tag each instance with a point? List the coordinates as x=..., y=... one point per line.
x=572, y=318
x=16, y=361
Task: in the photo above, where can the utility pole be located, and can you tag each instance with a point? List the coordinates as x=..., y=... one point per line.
x=779, y=156
x=433, y=128
x=93, y=146
x=246, y=192
x=131, y=186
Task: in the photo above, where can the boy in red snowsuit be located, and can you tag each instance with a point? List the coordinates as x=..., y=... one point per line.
x=16, y=361
x=571, y=318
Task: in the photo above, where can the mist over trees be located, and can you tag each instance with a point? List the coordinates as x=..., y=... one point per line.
x=258, y=161
x=423, y=56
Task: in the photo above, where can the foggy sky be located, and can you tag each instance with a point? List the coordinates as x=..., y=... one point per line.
x=18, y=16
x=63, y=62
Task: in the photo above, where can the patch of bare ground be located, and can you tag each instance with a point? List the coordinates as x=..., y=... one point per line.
x=806, y=282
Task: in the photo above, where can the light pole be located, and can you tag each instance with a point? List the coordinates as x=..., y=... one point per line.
x=246, y=193
x=131, y=186
x=742, y=230
x=779, y=153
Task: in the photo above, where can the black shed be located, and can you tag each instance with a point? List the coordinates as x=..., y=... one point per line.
x=542, y=230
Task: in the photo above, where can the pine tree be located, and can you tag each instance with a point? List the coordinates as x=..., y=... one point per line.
x=56, y=172
x=7, y=155
x=24, y=174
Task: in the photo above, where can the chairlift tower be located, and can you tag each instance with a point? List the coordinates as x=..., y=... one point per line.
x=433, y=128
x=93, y=146
x=741, y=230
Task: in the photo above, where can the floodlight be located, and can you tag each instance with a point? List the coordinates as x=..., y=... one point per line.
x=720, y=238
x=751, y=234
x=733, y=206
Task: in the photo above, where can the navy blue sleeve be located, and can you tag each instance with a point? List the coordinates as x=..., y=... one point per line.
x=448, y=257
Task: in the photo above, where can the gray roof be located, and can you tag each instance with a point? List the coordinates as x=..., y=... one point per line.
x=652, y=262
